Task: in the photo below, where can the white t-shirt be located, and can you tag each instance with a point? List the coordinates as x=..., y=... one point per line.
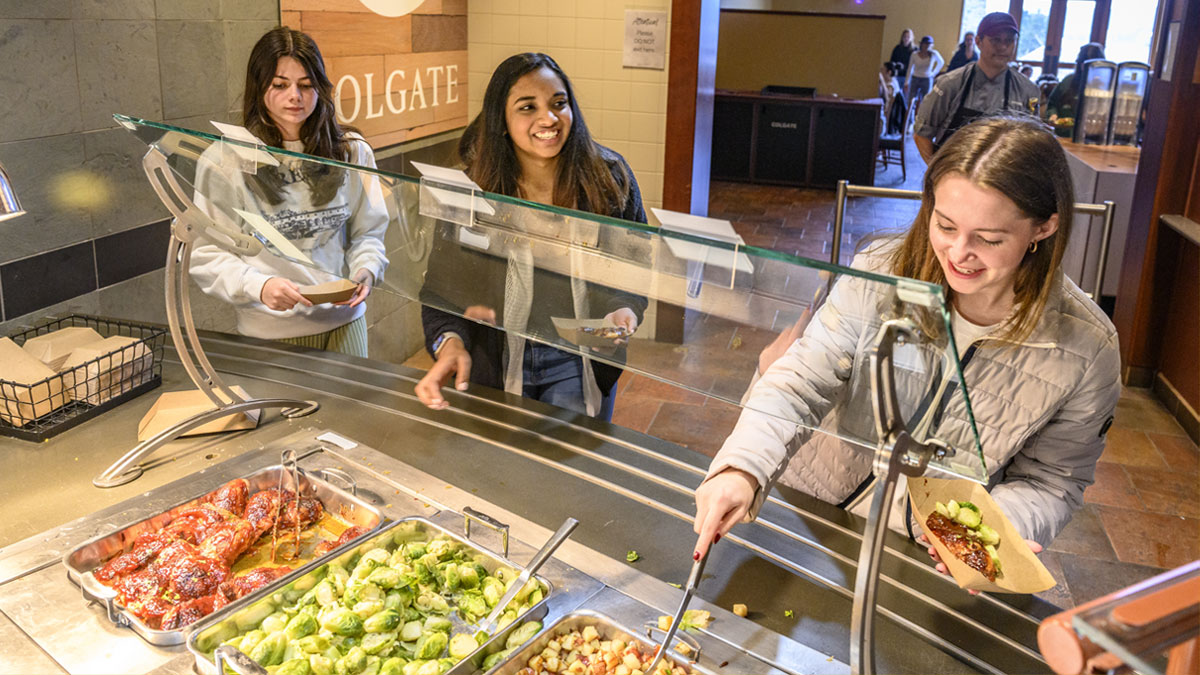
x=965, y=332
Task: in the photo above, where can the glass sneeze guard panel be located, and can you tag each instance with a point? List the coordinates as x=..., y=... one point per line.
x=705, y=308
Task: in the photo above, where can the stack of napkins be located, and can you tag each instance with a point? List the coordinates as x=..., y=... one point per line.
x=29, y=389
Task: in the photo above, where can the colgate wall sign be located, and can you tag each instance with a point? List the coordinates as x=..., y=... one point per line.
x=399, y=67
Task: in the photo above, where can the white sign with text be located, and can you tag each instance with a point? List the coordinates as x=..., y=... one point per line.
x=645, y=39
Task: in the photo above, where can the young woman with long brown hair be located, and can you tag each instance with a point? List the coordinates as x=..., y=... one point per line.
x=1040, y=359
x=335, y=217
x=530, y=141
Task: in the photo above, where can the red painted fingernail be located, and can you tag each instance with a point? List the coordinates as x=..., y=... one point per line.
x=695, y=555
x=717, y=537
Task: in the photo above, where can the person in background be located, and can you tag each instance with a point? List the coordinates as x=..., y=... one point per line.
x=335, y=217
x=893, y=99
x=529, y=141
x=1039, y=358
x=965, y=54
x=923, y=66
x=902, y=52
x=1062, y=101
x=985, y=87
x=1027, y=71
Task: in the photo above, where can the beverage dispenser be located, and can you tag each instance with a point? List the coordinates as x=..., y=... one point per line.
x=1094, y=108
x=1132, y=81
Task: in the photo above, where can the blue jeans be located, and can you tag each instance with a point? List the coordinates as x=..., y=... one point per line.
x=556, y=377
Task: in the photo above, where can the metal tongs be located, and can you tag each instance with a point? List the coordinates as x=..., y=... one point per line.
x=489, y=624
x=688, y=591
x=289, y=467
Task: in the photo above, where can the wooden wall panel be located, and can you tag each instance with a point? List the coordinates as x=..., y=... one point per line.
x=395, y=78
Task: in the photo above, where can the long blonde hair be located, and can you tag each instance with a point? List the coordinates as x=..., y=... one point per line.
x=1021, y=160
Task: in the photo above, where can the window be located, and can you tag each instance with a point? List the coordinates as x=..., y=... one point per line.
x=1035, y=23
x=1130, y=31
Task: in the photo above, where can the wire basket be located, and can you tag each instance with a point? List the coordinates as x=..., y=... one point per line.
x=37, y=411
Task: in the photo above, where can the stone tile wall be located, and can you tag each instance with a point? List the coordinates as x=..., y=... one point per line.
x=70, y=65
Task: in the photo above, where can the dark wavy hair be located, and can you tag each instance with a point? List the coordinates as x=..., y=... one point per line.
x=321, y=133
x=585, y=177
x=1021, y=160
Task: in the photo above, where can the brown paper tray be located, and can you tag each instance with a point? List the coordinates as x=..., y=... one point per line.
x=1022, y=572
x=340, y=290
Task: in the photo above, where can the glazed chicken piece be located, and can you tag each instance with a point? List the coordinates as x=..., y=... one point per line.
x=227, y=541
x=187, y=613
x=186, y=573
x=263, y=508
x=308, y=509
x=964, y=547
x=245, y=584
x=146, y=547
x=231, y=497
x=349, y=534
x=195, y=524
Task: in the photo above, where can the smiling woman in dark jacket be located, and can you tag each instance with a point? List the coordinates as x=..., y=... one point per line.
x=529, y=141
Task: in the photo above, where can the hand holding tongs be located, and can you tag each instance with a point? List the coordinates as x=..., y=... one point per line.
x=489, y=624
x=688, y=591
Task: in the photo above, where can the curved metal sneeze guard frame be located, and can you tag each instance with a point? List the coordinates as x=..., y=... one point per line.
x=707, y=307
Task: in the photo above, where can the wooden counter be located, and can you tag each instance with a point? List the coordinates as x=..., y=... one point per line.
x=1100, y=172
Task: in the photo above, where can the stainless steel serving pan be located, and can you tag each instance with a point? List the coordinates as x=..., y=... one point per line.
x=607, y=627
x=248, y=612
x=89, y=556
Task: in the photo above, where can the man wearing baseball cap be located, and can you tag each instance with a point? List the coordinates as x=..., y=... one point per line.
x=988, y=86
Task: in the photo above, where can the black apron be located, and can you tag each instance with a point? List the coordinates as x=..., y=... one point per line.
x=962, y=114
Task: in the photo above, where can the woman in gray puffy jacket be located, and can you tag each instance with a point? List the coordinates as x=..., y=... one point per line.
x=1040, y=359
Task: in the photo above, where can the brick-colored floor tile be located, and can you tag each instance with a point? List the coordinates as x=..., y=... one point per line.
x=1084, y=535
x=645, y=387
x=1131, y=448
x=1112, y=488
x=1146, y=415
x=635, y=412
x=1159, y=540
x=1166, y=491
x=1179, y=452
x=700, y=428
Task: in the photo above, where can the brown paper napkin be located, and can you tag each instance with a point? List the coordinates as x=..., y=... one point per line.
x=1021, y=571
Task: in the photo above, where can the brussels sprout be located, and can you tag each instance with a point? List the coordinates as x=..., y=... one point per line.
x=493, y=659
x=448, y=577
x=461, y=646
x=368, y=608
x=377, y=643
x=269, y=652
x=326, y=593
x=398, y=598
x=342, y=621
x=338, y=576
x=362, y=592
x=411, y=631
x=368, y=563
x=384, y=577
x=438, y=623
x=522, y=634
x=392, y=666
x=250, y=640
x=506, y=575
x=472, y=605
x=301, y=625
x=529, y=587
x=988, y=536
x=413, y=614
x=382, y=622
x=293, y=652
x=373, y=663
x=433, y=667
x=506, y=618
x=313, y=644
x=416, y=550
x=442, y=549
x=294, y=667
x=352, y=663
x=412, y=667
x=431, y=645
x=468, y=577
x=493, y=590
x=274, y=623
x=320, y=665
x=424, y=573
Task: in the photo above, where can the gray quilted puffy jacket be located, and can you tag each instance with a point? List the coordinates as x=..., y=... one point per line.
x=1041, y=407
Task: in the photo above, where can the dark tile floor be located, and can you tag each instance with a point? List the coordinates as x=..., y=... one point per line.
x=1140, y=517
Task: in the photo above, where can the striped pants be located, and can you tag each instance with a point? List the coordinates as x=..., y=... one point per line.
x=348, y=339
